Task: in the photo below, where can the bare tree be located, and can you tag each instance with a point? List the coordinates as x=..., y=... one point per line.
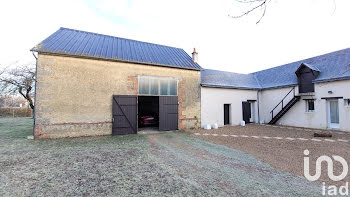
x=19, y=80
x=256, y=5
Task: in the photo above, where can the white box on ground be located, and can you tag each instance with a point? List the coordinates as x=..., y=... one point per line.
x=207, y=127
x=242, y=123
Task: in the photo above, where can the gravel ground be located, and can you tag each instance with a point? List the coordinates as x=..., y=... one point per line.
x=285, y=154
x=169, y=164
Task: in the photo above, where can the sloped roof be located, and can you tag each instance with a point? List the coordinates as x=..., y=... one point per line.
x=332, y=66
x=216, y=78
x=312, y=67
x=86, y=44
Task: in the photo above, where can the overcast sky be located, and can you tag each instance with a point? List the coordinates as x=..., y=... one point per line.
x=291, y=29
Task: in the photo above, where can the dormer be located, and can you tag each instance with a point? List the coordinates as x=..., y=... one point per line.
x=306, y=73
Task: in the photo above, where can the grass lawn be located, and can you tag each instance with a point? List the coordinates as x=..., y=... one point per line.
x=169, y=164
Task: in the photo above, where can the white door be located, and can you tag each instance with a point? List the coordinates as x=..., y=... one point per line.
x=333, y=114
x=251, y=119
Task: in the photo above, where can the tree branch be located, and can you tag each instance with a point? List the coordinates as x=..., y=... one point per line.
x=261, y=5
x=19, y=80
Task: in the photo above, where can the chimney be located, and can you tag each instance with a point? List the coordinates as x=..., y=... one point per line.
x=195, y=55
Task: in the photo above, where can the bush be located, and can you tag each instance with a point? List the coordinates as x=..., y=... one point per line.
x=16, y=112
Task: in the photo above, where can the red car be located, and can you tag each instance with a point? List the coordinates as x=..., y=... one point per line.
x=148, y=120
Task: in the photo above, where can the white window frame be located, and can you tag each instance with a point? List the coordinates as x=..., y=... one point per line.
x=159, y=78
x=307, y=105
x=330, y=124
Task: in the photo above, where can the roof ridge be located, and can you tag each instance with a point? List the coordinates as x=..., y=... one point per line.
x=302, y=60
x=256, y=79
x=99, y=34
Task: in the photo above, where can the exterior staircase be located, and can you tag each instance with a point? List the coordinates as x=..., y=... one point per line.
x=284, y=108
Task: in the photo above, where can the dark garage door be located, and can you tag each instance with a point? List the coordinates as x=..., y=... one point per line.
x=168, y=113
x=124, y=111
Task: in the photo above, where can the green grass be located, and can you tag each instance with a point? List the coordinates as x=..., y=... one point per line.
x=16, y=127
x=169, y=164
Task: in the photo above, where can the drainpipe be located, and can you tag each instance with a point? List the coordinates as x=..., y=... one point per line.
x=36, y=68
x=258, y=106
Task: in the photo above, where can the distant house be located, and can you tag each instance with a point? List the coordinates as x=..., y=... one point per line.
x=91, y=84
x=313, y=93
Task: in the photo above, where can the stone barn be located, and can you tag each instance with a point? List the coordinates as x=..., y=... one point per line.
x=90, y=84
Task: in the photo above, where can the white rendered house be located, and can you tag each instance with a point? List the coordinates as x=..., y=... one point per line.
x=312, y=93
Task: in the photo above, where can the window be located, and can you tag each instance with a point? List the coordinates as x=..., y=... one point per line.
x=157, y=86
x=347, y=102
x=310, y=105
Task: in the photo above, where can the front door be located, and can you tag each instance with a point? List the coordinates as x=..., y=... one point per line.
x=246, y=111
x=333, y=114
x=226, y=114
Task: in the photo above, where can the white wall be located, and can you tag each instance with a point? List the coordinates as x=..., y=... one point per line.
x=270, y=98
x=213, y=100
x=297, y=115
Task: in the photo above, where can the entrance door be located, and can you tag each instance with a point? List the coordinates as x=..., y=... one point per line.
x=124, y=110
x=226, y=114
x=251, y=119
x=333, y=114
x=246, y=111
x=168, y=113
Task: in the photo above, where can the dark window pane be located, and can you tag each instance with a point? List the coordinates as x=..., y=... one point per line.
x=311, y=105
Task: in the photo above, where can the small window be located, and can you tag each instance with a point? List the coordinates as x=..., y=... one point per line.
x=310, y=105
x=347, y=102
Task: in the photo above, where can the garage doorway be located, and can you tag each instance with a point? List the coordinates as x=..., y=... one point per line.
x=133, y=113
x=148, y=113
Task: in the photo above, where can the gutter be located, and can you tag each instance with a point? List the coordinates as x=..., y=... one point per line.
x=228, y=87
x=258, y=100
x=246, y=88
x=330, y=80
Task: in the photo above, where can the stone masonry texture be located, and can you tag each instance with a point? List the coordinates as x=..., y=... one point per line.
x=74, y=95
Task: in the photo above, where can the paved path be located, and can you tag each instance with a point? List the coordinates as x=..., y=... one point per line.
x=274, y=137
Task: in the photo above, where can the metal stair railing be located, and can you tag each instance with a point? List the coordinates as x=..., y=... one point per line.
x=281, y=102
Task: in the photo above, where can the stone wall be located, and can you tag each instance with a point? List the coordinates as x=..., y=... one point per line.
x=74, y=95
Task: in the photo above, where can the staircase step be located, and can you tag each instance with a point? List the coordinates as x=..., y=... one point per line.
x=285, y=109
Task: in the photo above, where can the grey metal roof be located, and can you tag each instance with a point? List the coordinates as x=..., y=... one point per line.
x=312, y=67
x=332, y=66
x=216, y=78
x=86, y=44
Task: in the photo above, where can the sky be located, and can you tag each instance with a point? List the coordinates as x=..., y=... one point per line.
x=291, y=30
